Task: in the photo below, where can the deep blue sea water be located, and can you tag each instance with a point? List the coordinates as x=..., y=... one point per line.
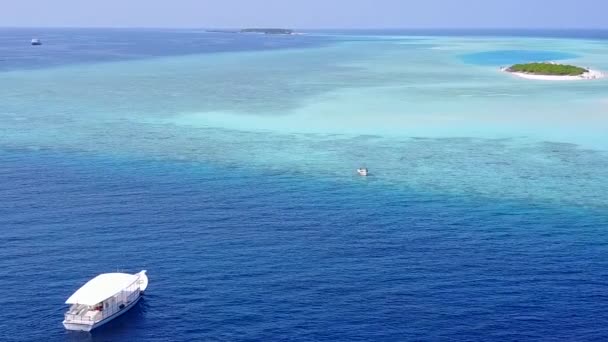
x=242, y=253
x=74, y=46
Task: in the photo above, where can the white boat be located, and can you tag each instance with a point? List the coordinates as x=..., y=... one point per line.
x=363, y=171
x=104, y=298
x=36, y=41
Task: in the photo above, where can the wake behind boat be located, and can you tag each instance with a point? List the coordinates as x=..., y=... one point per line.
x=104, y=298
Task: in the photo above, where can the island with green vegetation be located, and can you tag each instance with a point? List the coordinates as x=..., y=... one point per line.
x=549, y=69
x=267, y=30
x=221, y=31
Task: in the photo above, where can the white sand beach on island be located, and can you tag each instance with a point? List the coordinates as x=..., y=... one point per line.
x=589, y=75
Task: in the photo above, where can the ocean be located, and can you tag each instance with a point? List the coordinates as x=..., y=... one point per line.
x=224, y=164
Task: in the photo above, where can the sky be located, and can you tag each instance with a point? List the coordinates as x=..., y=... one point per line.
x=306, y=13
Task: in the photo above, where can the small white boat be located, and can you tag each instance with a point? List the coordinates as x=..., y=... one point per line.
x=36, y=41
x=363, y=171
x=104, y=298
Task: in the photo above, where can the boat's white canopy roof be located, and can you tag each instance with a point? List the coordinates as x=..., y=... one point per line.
x=101, y=288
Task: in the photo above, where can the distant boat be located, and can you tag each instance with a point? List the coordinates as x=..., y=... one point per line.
x=104, y=298
x=36, y=41
x=363, y=171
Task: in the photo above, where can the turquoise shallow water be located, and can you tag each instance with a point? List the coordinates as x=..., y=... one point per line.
x=510, y=57
x=228, y=172
x=328, y=109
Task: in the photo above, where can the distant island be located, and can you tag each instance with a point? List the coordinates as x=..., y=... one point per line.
x=222, y=31
x=267, y=30
x=256, y=30
x=553, y=69
x=550, y=71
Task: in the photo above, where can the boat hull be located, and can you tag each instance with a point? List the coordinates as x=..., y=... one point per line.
x=73, y=326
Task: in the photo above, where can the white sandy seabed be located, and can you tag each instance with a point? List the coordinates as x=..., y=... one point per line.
x=589, y=75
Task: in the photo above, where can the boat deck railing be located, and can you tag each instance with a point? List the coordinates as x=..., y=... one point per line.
x=85, y=318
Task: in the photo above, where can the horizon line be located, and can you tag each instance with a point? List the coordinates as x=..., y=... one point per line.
x=307, y=28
